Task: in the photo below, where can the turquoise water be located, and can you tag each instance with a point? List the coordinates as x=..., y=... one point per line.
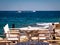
x=24, y=18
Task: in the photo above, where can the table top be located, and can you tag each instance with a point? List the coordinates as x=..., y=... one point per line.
x=53, y=40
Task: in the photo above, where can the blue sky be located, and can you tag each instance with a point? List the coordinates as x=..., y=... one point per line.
x=30, y=5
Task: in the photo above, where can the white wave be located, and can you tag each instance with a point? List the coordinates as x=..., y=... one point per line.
x=44, y=24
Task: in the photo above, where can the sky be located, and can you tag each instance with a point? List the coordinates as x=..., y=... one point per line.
x=29, y=5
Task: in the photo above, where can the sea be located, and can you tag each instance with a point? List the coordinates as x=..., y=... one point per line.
x=26, y=18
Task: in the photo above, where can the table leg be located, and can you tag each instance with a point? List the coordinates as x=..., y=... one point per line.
x=7, y=43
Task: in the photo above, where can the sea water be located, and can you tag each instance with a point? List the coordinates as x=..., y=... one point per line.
x=26, y=18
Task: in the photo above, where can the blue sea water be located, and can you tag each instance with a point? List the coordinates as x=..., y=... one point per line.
x=25, y=18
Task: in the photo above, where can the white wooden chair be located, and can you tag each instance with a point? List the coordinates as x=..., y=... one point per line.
x=11, y=35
